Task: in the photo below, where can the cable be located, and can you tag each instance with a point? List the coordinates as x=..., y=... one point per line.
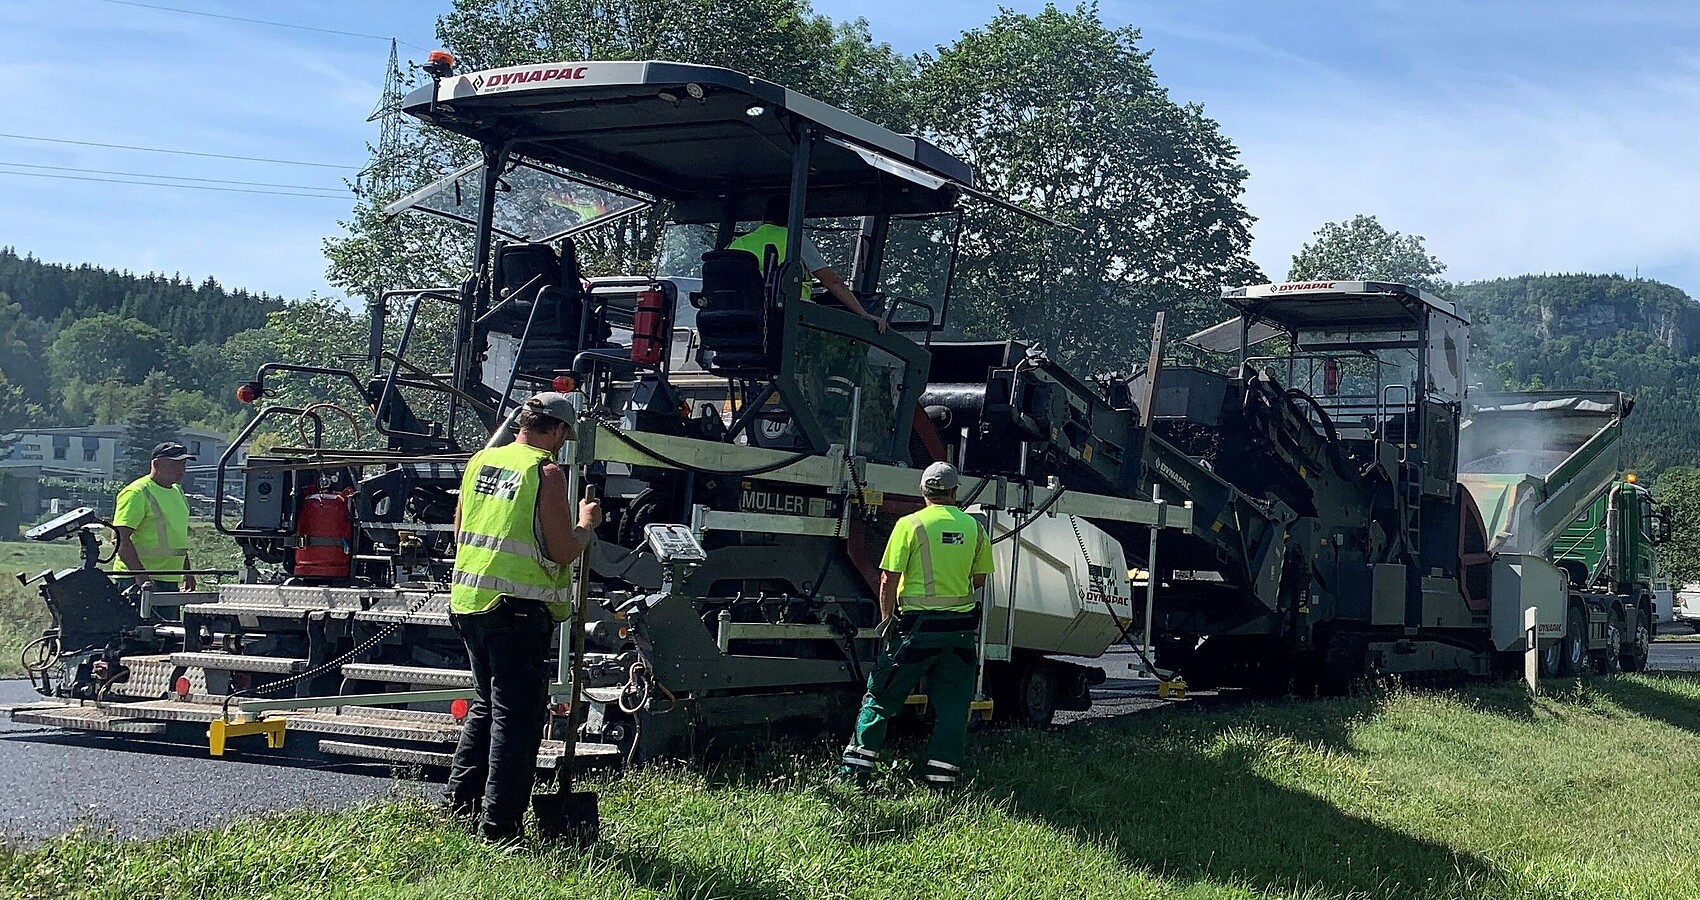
x=303, y=187
x=1032, y=516
x=281, y=162
x=193, y=187
x=607, y=422
x=1104, y=597
x=363, y=647
x=210, y=15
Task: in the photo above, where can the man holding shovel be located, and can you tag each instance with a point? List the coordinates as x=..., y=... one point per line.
x=515, y=542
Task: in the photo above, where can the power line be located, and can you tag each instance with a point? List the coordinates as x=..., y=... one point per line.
x=301, y=187
x=192, y=187
x=211, y=15
x=281, y=162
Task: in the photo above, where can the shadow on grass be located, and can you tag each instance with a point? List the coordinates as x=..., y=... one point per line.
x=655, y=872
x=1183, y=797
x=1641, y=695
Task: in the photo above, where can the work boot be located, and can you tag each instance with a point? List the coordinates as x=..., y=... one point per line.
x=502, y=835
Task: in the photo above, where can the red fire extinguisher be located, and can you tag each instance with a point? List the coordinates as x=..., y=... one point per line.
x=325, y=527
x=649, y=321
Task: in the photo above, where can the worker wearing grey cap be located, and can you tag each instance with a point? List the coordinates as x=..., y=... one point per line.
x=514, y=539
x=935, y=563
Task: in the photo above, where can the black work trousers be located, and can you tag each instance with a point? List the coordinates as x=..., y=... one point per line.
x=496, y=759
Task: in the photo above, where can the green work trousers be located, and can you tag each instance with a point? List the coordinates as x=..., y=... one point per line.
x=946, y=660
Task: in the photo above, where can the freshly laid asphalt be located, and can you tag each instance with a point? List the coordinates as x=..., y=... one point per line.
x=53, y=781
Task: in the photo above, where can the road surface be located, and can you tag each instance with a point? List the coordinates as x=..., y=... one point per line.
x=54, y=782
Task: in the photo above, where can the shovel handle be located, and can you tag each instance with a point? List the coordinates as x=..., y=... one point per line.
x=581, y=614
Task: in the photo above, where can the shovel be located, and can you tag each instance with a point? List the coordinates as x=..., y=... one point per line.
x=568, y=814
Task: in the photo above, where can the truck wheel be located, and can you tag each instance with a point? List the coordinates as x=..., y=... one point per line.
x=1634, y=656
x=1609, y=661
x=1552, y=658
x=1575, y=642
x=1038, y=696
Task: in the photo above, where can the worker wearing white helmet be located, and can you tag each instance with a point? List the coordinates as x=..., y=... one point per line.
x=936, y=561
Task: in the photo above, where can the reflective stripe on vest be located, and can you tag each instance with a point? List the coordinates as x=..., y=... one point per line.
x=763, y=236
x=156, y=553
x=498, y=551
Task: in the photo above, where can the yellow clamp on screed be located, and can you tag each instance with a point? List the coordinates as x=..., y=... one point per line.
x=220, y=731
x=1172, y=690
x=977, y=709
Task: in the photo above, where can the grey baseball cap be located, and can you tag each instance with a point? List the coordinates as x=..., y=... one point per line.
x=940, y=478
x=553, y=404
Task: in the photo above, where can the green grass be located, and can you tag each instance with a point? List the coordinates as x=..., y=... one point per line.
x=1579, y=793
x=22, y=614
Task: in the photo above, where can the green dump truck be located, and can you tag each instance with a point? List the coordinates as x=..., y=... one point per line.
x=1543, y=469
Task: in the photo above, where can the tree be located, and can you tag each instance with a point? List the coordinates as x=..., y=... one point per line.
x=781, y=40
x=15, y=409
x=1066, y=116
x=150, y=422
x=1679, y=488
x=108, y=346
x=1364, y=250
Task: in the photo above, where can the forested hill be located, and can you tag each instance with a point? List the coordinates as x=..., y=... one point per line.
x=77, y=342
x=189, y=313
x=1597, y=332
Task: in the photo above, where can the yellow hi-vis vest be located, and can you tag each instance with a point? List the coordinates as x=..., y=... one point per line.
x=765, y=235
x=500, y=551
x=938, y=551
x=159, y=521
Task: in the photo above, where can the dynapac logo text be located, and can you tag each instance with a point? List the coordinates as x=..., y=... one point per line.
x=1303, y=286
x=566, y=73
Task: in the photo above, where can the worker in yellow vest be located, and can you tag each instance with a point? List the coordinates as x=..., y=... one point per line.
x=934, y=565
x=515, y=538
x=773, y=233
x=151, y=518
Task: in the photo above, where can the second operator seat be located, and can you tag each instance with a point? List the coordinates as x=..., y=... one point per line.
x=732, y=315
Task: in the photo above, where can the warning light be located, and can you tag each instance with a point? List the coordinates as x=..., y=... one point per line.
x=439, y=63
x=458, y=708
x=182, y=687
x=248, y=392
x=1631, y=477
x=565, y=383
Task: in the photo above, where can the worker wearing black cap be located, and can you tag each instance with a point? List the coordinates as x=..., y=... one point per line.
x=515, y=536
x=151, y=518
x=934, y=564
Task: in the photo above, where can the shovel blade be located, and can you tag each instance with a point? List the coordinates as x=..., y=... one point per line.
x=568, y=815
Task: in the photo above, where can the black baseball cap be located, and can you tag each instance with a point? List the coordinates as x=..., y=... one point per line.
x=173, y=451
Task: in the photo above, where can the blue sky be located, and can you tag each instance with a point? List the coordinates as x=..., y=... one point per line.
x=1515, y=135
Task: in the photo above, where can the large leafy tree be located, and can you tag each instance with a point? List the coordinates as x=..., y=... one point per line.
x=1066, y=116
x=1364, y=249
x=108, y=346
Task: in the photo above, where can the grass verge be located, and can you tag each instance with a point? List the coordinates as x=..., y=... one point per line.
x=22, y=614
x=1486, y=792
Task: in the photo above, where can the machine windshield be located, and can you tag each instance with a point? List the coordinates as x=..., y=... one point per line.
x=534, y=202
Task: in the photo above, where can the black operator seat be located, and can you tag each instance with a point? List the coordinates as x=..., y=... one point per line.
x=537, y=276
x=731, y=314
